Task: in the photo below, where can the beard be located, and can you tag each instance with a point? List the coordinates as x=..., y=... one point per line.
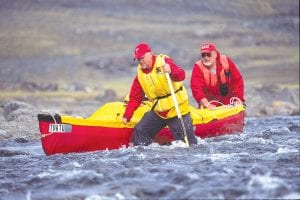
x=207, y=63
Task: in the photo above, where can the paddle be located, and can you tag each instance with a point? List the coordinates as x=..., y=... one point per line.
x=176, y=106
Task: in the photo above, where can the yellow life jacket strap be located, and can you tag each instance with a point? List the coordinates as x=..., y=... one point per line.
x=165, y=96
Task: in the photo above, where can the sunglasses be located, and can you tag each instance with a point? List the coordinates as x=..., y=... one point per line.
x=203, y=55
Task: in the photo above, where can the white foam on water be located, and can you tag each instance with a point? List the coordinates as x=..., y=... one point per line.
x=200, y=140
x=220, y=156
x=176, y=186
x=226, y=156
x=176, y=144
x=279, y=130
x=63, y=175
x=259, y=141
x=117, y=196
x=251, y=171
x=193, y=176
x=49, y=173
x=28, y=195
x=141, y=156
x=294, y=195
x=76, y=164
x=282, y=150
x=266, y=182
x=228, y=171
x=293, y=141
x=96, y=197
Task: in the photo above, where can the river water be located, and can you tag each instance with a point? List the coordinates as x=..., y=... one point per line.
x=262, y=162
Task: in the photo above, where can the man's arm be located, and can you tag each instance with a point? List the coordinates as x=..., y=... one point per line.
x=237, y=81
x=197, y=84
x=135, y=99
x=177, y=73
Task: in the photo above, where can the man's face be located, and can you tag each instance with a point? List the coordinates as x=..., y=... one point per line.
x=209, y=58
x=146, y=61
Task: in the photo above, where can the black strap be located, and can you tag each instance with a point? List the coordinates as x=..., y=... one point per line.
x=165, y=96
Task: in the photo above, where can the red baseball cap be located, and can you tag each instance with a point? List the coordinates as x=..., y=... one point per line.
x=140, y=50
x=207, y=47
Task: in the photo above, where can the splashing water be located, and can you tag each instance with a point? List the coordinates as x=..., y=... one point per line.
x=261, y=162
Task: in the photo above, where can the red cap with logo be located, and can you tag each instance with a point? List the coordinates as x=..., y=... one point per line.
x=207, y=48
x=140, y=50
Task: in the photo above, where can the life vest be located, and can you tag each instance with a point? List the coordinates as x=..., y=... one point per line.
x=156, y=88
x=221, y=76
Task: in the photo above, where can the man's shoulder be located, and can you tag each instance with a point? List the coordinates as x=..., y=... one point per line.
x=162, y=55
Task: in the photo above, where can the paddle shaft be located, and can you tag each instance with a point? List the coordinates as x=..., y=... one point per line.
x=177, y=108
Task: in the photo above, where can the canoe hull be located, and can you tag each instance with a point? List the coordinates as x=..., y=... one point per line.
x=84, y=138
x=231, y=124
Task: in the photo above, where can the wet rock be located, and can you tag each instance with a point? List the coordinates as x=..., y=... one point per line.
x=109, y=65
x=21, y=140
x=109, y=95
x=32, y=86
x=293, y=128
x=20, y=120
x=7, y=153
x=76, y=87
x=14, y=109
x=271, y=100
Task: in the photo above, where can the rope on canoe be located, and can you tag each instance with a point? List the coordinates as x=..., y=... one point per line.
x=234, y=101
x=52, y=116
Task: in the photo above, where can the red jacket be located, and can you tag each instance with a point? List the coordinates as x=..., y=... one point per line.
x=201, y=90
x=137, y=94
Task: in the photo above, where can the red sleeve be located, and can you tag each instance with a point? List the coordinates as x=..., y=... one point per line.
x=236, y=82
x=197, y=83
x=135, y=99
x=177, y=73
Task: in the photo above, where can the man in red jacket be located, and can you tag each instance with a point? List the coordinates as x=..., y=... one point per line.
x=151, y=81
x=215, y=79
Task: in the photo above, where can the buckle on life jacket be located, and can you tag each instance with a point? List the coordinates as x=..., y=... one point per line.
x=165, y=96
x=227, y=73
x=223, y=89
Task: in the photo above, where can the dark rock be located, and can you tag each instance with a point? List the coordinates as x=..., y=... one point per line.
x=7, y=153
x=21, y=140
x=32, y=86
x=109, y=95
x=76, y=87
x=294, y=128
x=271, y=100
x=14, y=109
